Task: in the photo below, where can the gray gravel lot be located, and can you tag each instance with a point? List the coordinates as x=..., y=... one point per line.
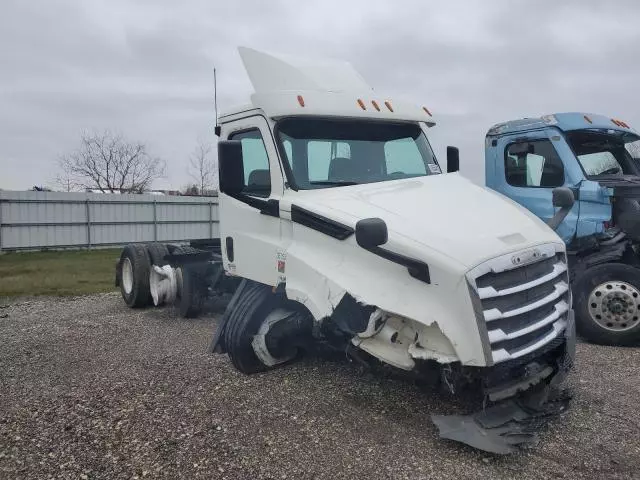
x=91, y=389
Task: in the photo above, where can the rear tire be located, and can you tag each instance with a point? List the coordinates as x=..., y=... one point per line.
x=177, y=250
x=607, y=304
x=157, y=252
x=134, y=276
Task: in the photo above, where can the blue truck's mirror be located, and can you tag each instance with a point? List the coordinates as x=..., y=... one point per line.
x=563, y=197
x=230, y=167
x=371, y=233
x=453, y=159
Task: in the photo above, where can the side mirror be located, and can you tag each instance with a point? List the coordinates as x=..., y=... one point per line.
x=453, y=159
x=230, y=167
x=563, y=197
x=371, y=233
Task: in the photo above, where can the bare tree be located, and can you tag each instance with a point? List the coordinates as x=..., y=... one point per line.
x=202, y=167
x=110, y=163
x=66, y=183
x=191, y=190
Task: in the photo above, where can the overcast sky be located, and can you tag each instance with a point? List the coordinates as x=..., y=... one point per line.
x=145, y=67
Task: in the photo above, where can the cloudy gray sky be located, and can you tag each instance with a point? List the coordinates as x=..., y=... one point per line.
x=145, y=67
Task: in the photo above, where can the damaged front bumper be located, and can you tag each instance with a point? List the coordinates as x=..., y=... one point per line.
x=520, y=406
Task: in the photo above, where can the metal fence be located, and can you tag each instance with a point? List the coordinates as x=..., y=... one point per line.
x=54, y=220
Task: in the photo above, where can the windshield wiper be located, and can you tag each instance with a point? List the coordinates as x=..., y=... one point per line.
x=335, y=183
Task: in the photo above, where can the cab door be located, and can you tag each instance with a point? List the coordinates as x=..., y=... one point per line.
x=251, y=230
x=528, y=168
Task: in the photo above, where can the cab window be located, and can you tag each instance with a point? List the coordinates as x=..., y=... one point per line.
x=533, y=164
x=320, y=154
x=327, y=153
x=256, y=162
x=402, y=155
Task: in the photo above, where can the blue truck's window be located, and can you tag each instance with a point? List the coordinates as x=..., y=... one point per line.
x=603, y=152
x=533, y=164
x=255, y=161
x=596, y=163
x=633, y=147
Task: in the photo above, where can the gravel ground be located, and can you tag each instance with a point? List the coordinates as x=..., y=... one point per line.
x=91, y=389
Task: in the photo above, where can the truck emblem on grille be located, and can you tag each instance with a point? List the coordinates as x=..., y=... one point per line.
x=528, y=256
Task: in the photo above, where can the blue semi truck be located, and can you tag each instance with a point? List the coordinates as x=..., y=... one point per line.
x=598, y=159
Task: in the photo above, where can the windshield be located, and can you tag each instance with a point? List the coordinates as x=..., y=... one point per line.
x=606, y=152
x=336, y=152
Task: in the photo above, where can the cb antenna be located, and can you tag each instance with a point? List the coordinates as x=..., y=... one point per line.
x=215, y=102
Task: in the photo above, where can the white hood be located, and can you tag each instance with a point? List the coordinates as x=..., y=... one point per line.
x=446, y=213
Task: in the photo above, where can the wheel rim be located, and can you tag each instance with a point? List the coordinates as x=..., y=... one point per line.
x=162, y=284
x=127, y=276
x=615, y=306
x=259, y=343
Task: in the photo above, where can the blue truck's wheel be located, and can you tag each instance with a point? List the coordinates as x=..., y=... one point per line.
x=607, y=304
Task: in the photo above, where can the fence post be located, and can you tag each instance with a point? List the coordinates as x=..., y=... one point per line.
x=88, y=215
x=1, y=202
x=210, y=219
x=155, y=221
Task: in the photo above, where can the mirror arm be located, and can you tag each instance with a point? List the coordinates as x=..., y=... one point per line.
x=559, y=217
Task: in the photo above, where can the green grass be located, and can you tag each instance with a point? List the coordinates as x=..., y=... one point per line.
x=57, y=273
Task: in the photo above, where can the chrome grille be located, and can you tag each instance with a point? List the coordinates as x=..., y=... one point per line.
x=524, y=299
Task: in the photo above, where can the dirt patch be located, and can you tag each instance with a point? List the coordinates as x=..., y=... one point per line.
x=91, y=389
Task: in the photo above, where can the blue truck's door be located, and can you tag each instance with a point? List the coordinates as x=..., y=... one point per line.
x=526, y=168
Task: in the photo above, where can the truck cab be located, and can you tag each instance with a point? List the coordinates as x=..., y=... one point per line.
x=336, y=214
x=598, y=158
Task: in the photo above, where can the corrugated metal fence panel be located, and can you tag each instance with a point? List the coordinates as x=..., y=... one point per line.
x=36, y=220
x=118, y=234
x=15, y=238
x=120, y=212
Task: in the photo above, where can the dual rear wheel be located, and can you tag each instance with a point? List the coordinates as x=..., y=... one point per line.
x=140, y=285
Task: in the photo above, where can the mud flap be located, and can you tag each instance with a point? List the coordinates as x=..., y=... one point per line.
x=514, y=422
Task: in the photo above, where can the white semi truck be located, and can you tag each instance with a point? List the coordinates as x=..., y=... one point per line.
x=338, y=226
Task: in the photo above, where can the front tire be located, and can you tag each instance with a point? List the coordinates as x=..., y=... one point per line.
x=607, y=304
x=256, y=311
